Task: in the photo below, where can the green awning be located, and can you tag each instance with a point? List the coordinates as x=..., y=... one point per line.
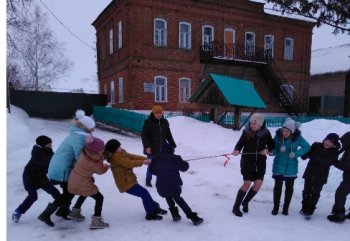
x=224, y=90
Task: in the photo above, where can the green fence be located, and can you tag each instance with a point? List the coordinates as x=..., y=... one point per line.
x=133, y=121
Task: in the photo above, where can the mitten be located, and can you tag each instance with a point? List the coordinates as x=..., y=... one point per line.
x=291, y=155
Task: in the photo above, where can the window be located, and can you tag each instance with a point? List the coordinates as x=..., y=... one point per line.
x=229, y=42
x=287, y=93
x=207, y=37
x=120, y=35
x=184, y=89
x=184, y=35
x=249, y=49
x=269, y=44
x=288, y=48
x=121, y=90
x=161, y=89
x=112, y=92
x=105, y=89
x=111, y=41
x=160, y=32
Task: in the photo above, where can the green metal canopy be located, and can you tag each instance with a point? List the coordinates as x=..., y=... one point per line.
x=225, y=91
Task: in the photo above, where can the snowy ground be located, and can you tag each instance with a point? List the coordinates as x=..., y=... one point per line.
x=209, y=188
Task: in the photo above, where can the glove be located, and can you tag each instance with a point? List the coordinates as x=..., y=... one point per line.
x=291, y=155
x=282, y=149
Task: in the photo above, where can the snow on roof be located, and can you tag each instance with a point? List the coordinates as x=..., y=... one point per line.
x=330, y=60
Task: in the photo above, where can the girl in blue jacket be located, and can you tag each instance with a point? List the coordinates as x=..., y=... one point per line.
x=289, y=145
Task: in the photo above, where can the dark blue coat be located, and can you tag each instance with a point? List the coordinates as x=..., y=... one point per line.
x=167, y=166
x=34, y=174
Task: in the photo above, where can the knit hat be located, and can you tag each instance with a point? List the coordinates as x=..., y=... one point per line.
x=87, y=121
x=157, y=109
x=334, y=138
x=43, y=140
x=112, y=145
x=97, y=145
x=257, y=118
x=167, y=147
x=291, y=125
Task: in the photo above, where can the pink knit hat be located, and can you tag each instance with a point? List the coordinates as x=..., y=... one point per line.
x=97, y=145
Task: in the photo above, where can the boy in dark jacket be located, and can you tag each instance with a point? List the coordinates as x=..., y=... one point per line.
x=166, y=167
x=322, y=156
x=338, y=210
x=34, y=177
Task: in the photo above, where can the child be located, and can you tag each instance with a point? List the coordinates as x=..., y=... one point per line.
x=338, y=210
x=122, y=164
x=288, y=139
x=34, y=178
x=256, y=141
x=322, y=156
x=166, y=167
x=81, y=182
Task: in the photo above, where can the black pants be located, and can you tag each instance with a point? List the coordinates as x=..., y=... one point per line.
x=98, y=203
x=311, y=194
x=181, y=202
x=340, y=198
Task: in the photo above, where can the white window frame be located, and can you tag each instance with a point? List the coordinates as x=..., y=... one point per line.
x=121, y=89
x=288, y=49
x=185, y=38
x=249, y=45
x=184, y=91
x=111, y=41
x=269, y=46
x=160, y=90
x=112, y=92
x=207, y=39
x=120, y=35
x=160, y=35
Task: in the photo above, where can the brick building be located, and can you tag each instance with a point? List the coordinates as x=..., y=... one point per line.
x=159, y=51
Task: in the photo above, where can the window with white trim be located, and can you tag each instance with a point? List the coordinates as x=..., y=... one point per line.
x=184, y=89
x=269, y=44
x=249, y=47
x=160, y=89
x=112, y=92
x=288, y=48
x=160, y=32
x=111, y=41
x=120, y=35
x=185, y=35
x=121, y=89
x=288, y=92
x=207, y=36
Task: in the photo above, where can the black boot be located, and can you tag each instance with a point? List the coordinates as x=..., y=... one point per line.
x=195, y=219
x=312, y=204
x=63, y=211
x=276, y=201
x=46, y=214
x=175, y=213
x=247, y=199
x=348, y=216
x=287, y=198
x=236, y=207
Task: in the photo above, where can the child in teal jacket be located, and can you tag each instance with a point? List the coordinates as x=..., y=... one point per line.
x=289, y=145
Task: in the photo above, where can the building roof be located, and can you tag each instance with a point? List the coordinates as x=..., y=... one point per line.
x=227, y=91
x=330, y=60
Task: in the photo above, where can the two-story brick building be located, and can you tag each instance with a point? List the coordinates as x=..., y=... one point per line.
x=159, y=51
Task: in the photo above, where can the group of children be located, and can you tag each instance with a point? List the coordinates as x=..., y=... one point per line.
x=287, y=146
x=81, y=155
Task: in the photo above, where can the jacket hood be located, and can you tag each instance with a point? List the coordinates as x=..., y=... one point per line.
x=294, y=136
x=345, y=141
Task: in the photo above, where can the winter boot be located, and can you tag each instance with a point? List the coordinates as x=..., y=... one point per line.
x=63, y=211
x=195, y=219
x=247, y=199
x=305, y=203
x=337, y=218
x=276, y=201
x=312, y=204
x=98, y=223
x=45, y=216
x=175, y=213
x=161, y=211
x=348, y=216
x=16, y=215
x=287, y=199
x=236, y=207
x=153, y=216
x=75, y=215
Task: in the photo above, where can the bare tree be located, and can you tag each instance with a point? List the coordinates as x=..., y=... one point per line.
x=335, y=13
x=39, y=55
